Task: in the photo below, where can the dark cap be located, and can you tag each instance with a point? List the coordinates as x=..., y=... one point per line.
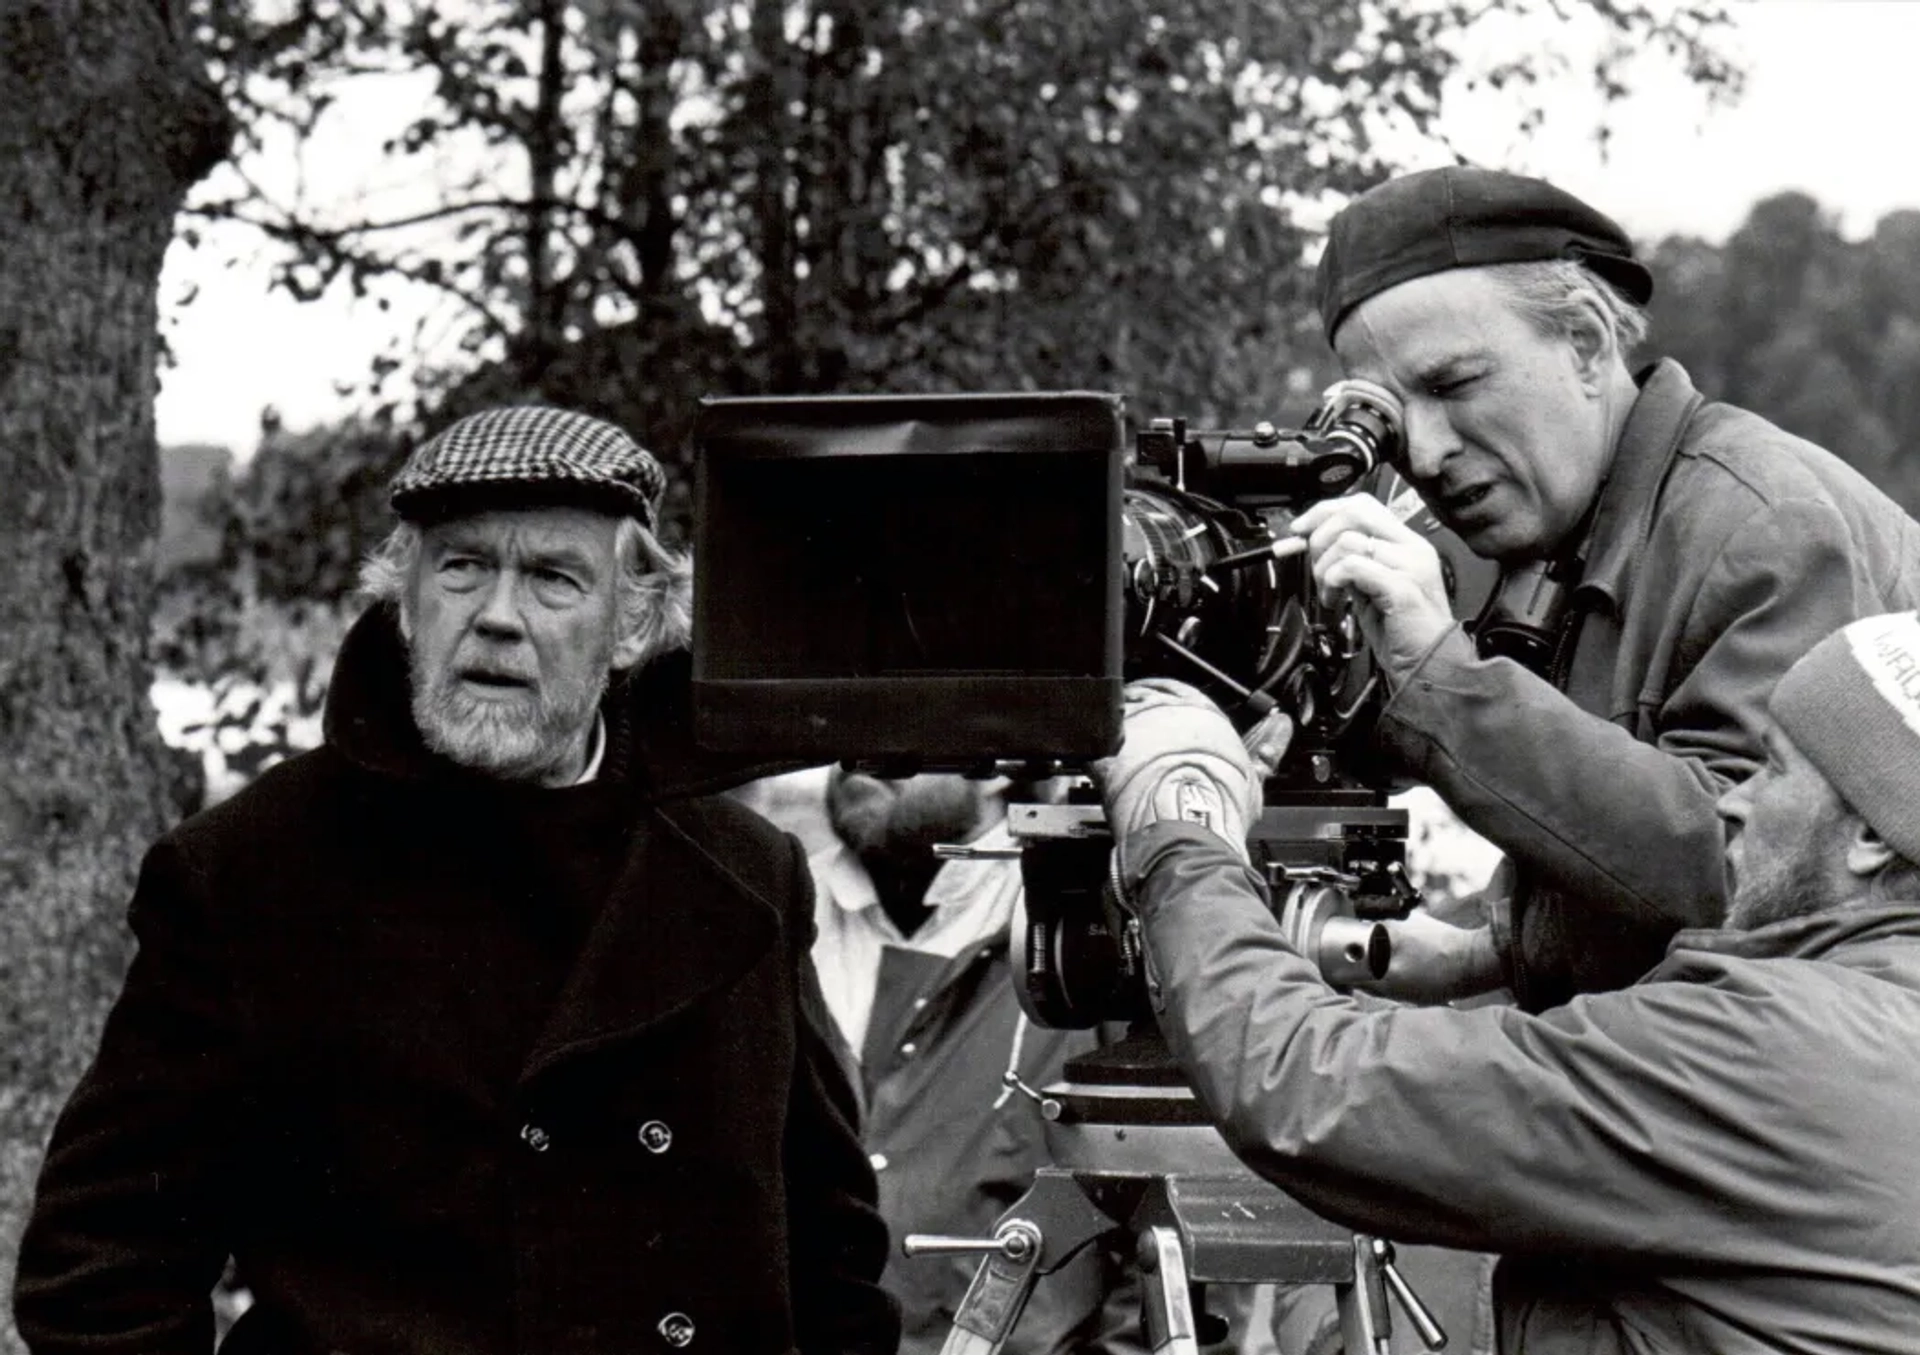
x=1463, y=217
x=526, y=456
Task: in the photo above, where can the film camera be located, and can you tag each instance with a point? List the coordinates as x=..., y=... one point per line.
x=965, y=582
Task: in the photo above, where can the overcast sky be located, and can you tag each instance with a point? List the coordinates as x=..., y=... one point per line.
x=1831, y=105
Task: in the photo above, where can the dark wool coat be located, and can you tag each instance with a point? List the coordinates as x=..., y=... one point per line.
x=361, y=1050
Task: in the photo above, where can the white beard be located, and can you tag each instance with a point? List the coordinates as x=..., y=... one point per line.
x=532, y=739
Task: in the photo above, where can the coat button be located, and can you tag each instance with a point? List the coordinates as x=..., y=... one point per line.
x=677, y=1330
x=535, y=1137
x=655, y=1137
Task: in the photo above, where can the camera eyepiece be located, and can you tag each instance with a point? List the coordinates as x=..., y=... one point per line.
x=1366, y=419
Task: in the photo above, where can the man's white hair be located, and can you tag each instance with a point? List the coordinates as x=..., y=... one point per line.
x=655, y=585
x=1546, y=292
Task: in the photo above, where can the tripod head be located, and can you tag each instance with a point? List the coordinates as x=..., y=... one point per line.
x=1333, y=859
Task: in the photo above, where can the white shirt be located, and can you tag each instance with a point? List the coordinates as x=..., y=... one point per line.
x=973, y=902
x=599, y=753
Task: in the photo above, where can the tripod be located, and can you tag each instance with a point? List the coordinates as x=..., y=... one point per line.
x=1136, y=1155
x=1132, y=1149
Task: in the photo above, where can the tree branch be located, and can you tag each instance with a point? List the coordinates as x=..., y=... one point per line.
x=331, y=250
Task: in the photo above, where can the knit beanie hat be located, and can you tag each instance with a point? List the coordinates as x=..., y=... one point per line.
x=1852, y=705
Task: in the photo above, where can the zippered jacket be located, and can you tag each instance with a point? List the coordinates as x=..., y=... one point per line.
x=1719, y=1159
x=1721, y=550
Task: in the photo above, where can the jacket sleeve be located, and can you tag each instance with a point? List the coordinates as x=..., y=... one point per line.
x=838, y=1241
x=1618, y=840
x=126, y=1238
x=1599, y=1129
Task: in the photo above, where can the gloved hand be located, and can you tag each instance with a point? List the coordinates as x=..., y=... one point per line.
x=1180, y=759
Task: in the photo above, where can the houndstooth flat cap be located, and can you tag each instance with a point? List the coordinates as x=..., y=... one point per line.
x=526, y=455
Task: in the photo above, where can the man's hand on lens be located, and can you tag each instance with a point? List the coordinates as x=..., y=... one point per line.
x=1357, y=543
x=1435, y=961
x=1181, y=759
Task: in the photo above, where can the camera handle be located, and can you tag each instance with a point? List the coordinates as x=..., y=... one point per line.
x=1041, y=1232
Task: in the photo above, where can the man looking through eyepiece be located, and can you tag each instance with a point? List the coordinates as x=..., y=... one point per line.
x=1717, y=1158
x=1699, y=551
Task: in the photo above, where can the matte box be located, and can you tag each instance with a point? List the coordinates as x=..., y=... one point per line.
x=929, y=579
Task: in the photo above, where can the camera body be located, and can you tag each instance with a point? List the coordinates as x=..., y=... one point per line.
x=965, y=583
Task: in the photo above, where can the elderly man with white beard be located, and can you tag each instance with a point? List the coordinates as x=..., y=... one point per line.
x=1718, y=1158
x=487, y=1026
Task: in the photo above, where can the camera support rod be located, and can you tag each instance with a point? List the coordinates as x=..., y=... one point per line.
x=1258, y=703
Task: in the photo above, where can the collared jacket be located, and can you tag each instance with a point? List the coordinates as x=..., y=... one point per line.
x=356, y=1052
x=1718, y=1160
x=954, y=1146
x=1721, y=550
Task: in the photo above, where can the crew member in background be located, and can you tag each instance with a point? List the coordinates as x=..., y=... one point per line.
x=913, y=956
x=1718, y=1158
x=1668, y=556
x=483, y=1027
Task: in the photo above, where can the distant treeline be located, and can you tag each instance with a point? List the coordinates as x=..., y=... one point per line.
x=1817, y=333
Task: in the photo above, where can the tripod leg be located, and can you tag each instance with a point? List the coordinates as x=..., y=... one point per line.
x=994, y=1302
x=1170, y=1328
x=1036, y=1236
x=1366, y=1327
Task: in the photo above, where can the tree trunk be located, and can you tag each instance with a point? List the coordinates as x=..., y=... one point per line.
x=768, y=115
x=543, y=324
x=105, y=122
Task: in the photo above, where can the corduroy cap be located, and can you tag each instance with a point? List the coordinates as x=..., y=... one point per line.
x=1852, y=705
x=1464, y=217
x=524, y=456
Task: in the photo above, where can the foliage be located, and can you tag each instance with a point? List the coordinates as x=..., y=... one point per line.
x=654, y=201
x=251, y=693
x=1818, y=333
x=245, y=645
